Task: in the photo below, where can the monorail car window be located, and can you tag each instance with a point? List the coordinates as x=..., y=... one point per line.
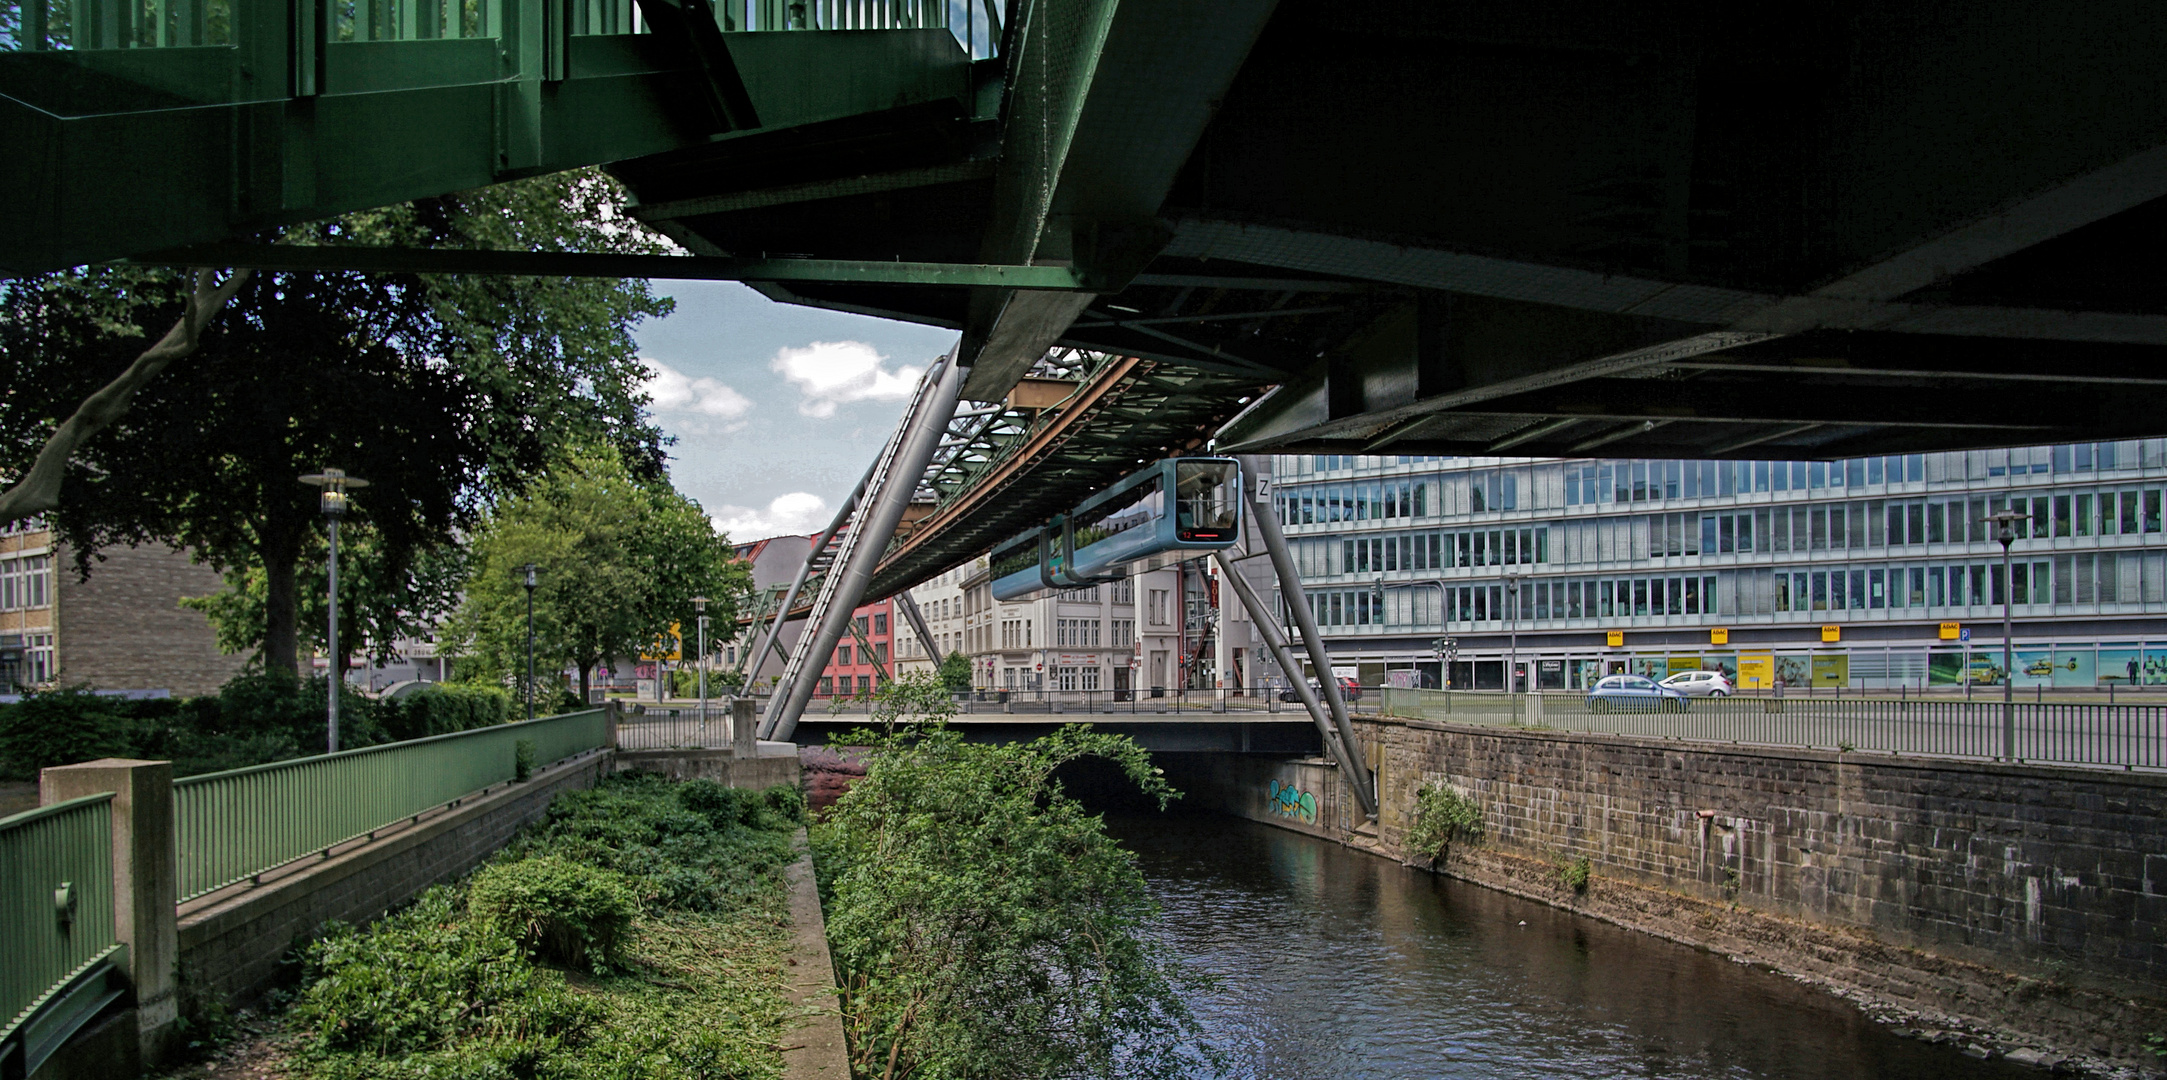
x=1204, y=497
x=1016, y=556
x=1140, y=506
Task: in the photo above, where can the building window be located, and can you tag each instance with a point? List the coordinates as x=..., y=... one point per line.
x=38, y=659
x=880, y=624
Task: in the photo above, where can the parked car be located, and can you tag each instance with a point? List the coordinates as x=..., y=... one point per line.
x=1349, y=690
x=1701, y=684
x=1627, y=693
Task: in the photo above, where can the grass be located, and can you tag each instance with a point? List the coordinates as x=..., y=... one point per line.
x=694, y=991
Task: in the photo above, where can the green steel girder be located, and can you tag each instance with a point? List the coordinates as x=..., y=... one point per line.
x=585, y=264
x=114, y=153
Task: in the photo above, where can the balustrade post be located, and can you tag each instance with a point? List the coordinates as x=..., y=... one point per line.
x=146, y=882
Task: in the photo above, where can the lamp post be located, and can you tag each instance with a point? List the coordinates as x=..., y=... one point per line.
x=529, y=570
x=2005, y=530
x=699, y=608
x=1512, y=649
x=333, y=484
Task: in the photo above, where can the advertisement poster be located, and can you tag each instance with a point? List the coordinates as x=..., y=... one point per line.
x=1591, y=672
x=1726, y=664
x=1792, y=670
x=2120, y=665
x=1654, y=667
x=2073, y=666
x=1684, y=663
x=2034, y=667
x=1756, y=672
x=1832, y=670
x=2154, y=671
x=1945, y=667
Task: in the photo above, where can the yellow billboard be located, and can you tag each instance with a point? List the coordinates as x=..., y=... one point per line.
x=1756, y=672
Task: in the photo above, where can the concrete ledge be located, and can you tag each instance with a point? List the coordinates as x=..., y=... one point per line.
x=233, y=943
x=763, y=771
x=814, y=1048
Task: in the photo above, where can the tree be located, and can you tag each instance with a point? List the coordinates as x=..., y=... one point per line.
x=443, y=391
x=378, y=604
x=955, y=672
x=618, y=562
x=983, y=923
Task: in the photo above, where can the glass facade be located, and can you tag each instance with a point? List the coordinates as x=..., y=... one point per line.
x=1396, y=551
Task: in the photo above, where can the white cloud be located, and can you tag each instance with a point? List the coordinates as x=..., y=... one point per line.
x=675, y=392
x=799, y=512
x=832, y=373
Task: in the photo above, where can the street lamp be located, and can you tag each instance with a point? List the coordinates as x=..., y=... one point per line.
x=1512, y=653
x=333, y=485
x=2005, y=530
x=699, y=608
x=529, y=570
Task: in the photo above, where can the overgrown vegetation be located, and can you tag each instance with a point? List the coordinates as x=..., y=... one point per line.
x=1573, y=874
x=983, y=924
x=256, y=717
x=637, y=932
x=1443, y=815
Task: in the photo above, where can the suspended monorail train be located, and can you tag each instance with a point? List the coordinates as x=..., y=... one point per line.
x=1176, y=505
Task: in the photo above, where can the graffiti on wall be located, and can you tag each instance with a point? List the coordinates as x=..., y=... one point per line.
x=1288, y=801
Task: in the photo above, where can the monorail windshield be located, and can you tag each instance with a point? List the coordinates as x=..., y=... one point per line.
x=1206, y=492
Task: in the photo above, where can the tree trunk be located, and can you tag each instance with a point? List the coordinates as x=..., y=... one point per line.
x=281, y=609
x=585, y=668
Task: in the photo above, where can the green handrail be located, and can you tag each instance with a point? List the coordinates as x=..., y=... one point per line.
x=235, y=825
x=56, y=901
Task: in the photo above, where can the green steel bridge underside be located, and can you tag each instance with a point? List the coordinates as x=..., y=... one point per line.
x=1663, y=230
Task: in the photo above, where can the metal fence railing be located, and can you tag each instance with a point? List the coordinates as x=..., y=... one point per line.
x=674, y=727
x=235, y=825
x=56, y=902
x=2117, y=735
x=1141, y=701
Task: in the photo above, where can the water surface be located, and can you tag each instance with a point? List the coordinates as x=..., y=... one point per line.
x=1343, y=965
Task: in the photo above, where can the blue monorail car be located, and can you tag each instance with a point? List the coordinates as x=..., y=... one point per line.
x=1178, y=504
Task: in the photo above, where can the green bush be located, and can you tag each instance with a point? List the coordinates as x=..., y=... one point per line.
x=60, y=727
x=786, y=802
x=443, y=708
x=424, y=976
x=1442, y=815
x=272, y=703
x=723, y=807
x=560, y=912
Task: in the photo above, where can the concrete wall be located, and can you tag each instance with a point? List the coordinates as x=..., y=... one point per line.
x=124, y=628
x=233, y=942
x=2018, y=902
x=722, y=766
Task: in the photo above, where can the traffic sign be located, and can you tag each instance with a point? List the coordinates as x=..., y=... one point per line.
x=1964, y=634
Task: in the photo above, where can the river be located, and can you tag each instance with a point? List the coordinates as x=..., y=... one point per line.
x=1333, y=963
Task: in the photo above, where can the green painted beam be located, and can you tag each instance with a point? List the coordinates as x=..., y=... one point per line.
x=581, y=264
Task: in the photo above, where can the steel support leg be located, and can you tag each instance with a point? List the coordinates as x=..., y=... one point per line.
x=772, y=641
x=1267, y=625
x=917, y=625
x=1290, y=587
x=884, y=502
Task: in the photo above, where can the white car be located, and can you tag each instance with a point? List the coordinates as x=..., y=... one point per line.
x=1700, y=684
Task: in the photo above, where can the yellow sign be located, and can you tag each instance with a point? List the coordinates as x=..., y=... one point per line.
x=1756, y=672
x=1831, y=632
x=1617, y=638
x=1720, y=635
x=1951, y=631
x=670, y=646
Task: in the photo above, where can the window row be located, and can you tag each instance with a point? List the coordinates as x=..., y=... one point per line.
x=1076, y=632
x=1424, y=551
x=1377, y=500
x=26, y=582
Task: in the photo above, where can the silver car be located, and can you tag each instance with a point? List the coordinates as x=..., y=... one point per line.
x=1700, y=684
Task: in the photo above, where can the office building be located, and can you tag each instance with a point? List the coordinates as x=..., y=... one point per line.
x=1864, y=572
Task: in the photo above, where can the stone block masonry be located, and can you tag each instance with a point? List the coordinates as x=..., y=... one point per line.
x=2025, y=903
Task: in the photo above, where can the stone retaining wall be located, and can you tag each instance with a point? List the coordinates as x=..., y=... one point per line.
x=2019, y=903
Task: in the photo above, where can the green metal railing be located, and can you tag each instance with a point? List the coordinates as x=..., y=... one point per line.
x=235, y=825
x=2123, y=736
x=56, y=902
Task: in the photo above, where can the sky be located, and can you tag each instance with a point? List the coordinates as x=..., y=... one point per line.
x=777, y=409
